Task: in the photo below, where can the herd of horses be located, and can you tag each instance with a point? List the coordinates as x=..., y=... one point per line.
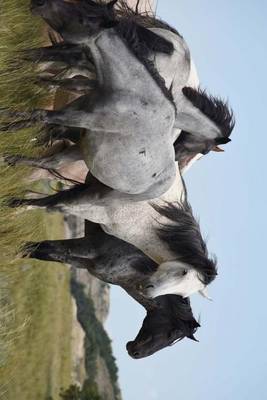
x=138, y=121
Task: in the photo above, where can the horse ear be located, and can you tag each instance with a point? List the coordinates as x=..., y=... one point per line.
x=192, y=337
x=222, y=140
x=204, y=293
x=196, y=324
x=111, y=4
x=217, y=149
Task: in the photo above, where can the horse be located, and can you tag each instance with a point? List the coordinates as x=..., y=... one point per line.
x=115, y=209
x=133, y=113
x=169, y=318
x=164, y=229
x=177, y=70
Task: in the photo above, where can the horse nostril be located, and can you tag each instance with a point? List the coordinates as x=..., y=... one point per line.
x=130, y=348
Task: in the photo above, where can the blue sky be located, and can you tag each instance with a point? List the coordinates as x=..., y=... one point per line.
x=227, y=191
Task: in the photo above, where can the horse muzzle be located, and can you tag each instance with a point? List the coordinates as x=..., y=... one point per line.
x=132, y=351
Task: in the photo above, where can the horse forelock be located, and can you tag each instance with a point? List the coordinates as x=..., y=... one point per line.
x=183, y=238
x=181, y=321
x=216, y=109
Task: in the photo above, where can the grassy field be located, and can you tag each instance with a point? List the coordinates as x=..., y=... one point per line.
x=37, y=322
x=35, y=299
x=35, y=303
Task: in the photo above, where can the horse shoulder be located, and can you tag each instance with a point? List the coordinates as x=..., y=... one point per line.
x=175, y=68
x=117, y=66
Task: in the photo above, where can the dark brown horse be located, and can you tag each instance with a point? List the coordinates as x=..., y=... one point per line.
x=169, y=318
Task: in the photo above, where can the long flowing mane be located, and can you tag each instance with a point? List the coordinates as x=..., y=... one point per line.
x=183, y=238
x=214, y=108
x=180, y=313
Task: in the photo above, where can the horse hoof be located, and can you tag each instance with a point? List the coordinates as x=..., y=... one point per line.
x=38, y=250
x=13, y=202
x=28, y=250
x=11, y=160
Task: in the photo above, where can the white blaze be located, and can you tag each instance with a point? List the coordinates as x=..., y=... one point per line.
x=171, y=278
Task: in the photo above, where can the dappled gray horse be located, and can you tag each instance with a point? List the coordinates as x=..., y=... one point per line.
x=169, y=318
x=164, y=229
x=167, y=233
x=177, y=70
x=130, y=144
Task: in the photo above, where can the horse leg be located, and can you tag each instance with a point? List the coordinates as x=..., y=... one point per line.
x=84, y=201
x=102, y=119
x=75, y=84
x=64, y=117
x=69, y=54
x=95, y=111
x=79, y=251
x=69, y=154
x=72, y=116
x=57, y=132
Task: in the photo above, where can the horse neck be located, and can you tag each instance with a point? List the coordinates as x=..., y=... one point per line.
x=113, y=260
x=116, y=65
x=175, y=68
x=140, y=222
x=148, y=304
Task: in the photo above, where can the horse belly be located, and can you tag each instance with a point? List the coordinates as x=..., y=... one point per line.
x=129, y=165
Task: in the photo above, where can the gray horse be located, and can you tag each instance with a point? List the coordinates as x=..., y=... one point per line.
x=165, y=230
x=117, y=119
x=169, y=233
x=169, y=318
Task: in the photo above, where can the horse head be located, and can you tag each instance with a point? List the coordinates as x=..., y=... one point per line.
x=191, y=268
x=174, y=277
x=74, y=21
x=163, y=326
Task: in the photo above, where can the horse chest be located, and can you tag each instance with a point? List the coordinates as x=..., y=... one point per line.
x=128, y=221
x=117, y=268
x=136, y=224
x=129, y=164
x=175, y=68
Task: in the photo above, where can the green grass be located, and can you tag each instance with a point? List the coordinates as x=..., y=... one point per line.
x=35, y=302
x=38, y=321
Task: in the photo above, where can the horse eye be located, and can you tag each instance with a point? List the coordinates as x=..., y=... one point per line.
x=184, y=272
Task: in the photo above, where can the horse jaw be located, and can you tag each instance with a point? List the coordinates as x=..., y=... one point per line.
x=169, y=279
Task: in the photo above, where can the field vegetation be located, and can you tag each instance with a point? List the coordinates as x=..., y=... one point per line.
x=35, y=301
x=35, y=297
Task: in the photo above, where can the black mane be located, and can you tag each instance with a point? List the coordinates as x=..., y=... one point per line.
x=132, y=26
x=183, y=237
x=215, y=109
x=169, y=322
x=147, y=18
x=180, y=315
